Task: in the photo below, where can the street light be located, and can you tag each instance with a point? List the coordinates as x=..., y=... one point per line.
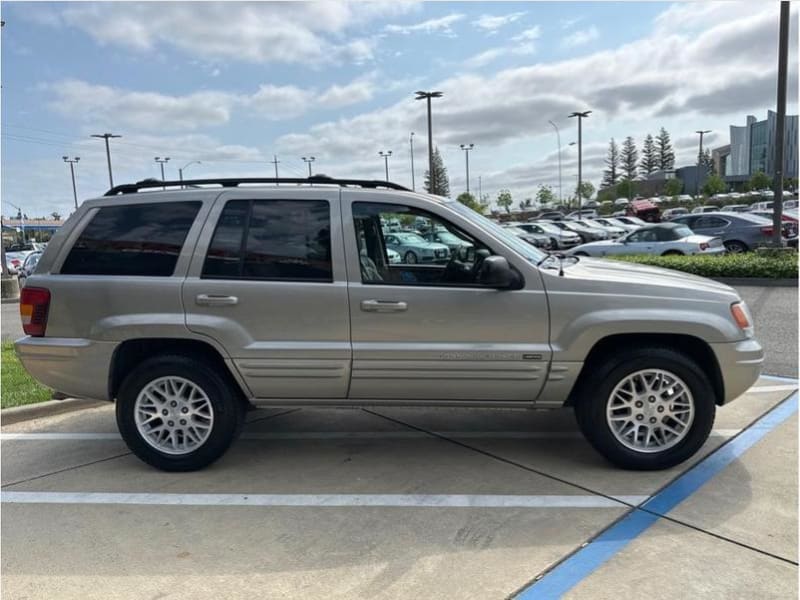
x=699, y=161
x=308, y=161
x=162, y=162
x=411, y=143
x=466, y=148
x=558, y=138
x=385, y=156
x=581, y=116
x=72, y=162
x=427, y=96
x=186, y=166
x=106, y=137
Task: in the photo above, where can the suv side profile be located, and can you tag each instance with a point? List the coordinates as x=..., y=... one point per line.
x=187, y=306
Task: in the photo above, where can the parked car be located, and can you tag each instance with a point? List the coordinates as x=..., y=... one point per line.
x=735, y=208
x=790, y=204
x=187, y=306
x=621, y=202
x=27, y=268
x=788, y=217
x=645, y=210
x=662, y=239
x=635, y=221
x=416, y=249
x=559, y=238
x=700, y=210
x=740, y=232
x=585, y=232
x=614, y=231
x=534, y=239
x=582, y=214
x=761, y=206
x=551, y=215
x=394, y=257
x=457, y=245
x=671, y=213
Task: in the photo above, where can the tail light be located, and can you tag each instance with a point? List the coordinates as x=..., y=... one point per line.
x=766, y=230
x=703, y=246
x=34, y=304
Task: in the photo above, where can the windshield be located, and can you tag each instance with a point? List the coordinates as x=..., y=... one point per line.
x=548, y=228
x=519, y=246
x=682, y=232
x=410, y=238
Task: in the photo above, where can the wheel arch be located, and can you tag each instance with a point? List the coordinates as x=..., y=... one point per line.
x=694, y=347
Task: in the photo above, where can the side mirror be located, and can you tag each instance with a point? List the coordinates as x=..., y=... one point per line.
x=497, y=273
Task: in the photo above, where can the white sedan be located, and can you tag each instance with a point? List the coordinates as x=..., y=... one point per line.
x=661, y=239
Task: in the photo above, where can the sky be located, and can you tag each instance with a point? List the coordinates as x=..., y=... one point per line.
x=233, y=85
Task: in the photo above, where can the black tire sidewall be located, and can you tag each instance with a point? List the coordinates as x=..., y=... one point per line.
x=591, y=405
x=228, y=411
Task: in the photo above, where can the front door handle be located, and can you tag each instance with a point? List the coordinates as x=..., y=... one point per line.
x=383, y=306
x=214, y=300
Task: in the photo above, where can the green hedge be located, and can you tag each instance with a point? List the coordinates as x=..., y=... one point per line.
x=728, y=265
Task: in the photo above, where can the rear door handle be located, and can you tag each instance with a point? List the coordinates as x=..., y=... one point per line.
x=383, y=306
x=214, y=300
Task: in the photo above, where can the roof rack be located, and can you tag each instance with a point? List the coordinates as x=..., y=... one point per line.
x=131, y=188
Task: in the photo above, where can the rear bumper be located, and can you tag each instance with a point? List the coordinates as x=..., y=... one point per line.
x=740, y=364
x=77, y=367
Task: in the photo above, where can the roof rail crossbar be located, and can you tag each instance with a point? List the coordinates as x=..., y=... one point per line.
x=131, y=188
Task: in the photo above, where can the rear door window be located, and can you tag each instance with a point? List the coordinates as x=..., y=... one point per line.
x=133, y=239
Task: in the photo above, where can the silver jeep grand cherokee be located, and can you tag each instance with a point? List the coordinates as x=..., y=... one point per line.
x=188, y=305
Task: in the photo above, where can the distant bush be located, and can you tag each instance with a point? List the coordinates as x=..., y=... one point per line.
x=782, y=266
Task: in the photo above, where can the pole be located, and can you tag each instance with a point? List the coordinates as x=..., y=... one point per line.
x=558, y=138
x=180, y=176
x=106, y=137
x=480, y=190
x=275, y=162
x=777, y=199
x=3, y=250
x=411, y=142
x=580, y=116
x=162, y=161
x=386, y=165
x=431, y=178
x=467, y=171
x=699, y=162
x=74, y=189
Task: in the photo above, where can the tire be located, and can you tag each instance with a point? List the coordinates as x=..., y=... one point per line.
x=673, y=253
x=554, y=243
x=410, y=258
x=214, y=395
x=595, y=394
x=736, y=247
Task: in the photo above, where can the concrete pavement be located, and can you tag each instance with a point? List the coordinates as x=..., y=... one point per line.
x=490, y=500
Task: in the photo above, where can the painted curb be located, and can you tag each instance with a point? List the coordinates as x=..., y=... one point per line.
x=756, y=281
x=49, y=408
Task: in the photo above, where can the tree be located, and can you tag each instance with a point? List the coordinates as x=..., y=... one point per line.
x=707, y=162
x=666, y=156
x=760, y=181
x=630, y=159
x=528, y=202
x=586, y=190
x=673, y=187
x=469, y=200
x=626, y=188
x=440, y=179
x=650, y=160
x=713, y=185
x=504, y=200
x=611, y=174
x=545, y=195
x=56, y=216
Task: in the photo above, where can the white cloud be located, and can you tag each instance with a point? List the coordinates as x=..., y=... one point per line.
x=487, y=56
x=492, y=23
x=581, y=37
x=529, y=35
x=441, y=25
x=310, y=33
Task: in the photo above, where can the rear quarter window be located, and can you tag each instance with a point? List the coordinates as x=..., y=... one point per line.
x=133, y=239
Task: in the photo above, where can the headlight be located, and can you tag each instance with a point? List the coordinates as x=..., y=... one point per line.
x=742, y=318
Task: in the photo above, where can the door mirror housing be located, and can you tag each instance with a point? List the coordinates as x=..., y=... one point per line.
x=497, y=273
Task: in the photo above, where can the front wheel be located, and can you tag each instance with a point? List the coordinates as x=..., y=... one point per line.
x=736, y=247
x=178, y=414
x=673, y=253
x=411, y=258
x=646, y=409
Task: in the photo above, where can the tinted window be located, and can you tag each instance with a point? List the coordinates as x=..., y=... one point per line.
x=708, y=222
x=271, y=239
x=136, y=239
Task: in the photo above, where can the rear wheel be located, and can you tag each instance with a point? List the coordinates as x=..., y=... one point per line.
x=673, y=253
x=178, y=414
x=411, y=258
x=646, y=409
x=736, y=247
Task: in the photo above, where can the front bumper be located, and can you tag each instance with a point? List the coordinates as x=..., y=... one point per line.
x=740, y=364
x=77, y=367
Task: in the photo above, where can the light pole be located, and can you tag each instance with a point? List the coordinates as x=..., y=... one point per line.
x=106, y=137
x=777, y=184
x=411, y=143
x=308, y=161
x=385, y=156
x=162, y=162
x=72, y=162
x=427, y=96
x=466, y=148
x=558, y=138
x=581, y=116
x=275, y=162
x=699, y=161
x=186, y=166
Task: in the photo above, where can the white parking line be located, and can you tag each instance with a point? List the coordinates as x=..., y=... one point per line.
x=321, y=500
x=336, y=435
x=763, y=389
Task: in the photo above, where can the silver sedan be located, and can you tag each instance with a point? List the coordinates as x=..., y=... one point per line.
x=663, y=239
